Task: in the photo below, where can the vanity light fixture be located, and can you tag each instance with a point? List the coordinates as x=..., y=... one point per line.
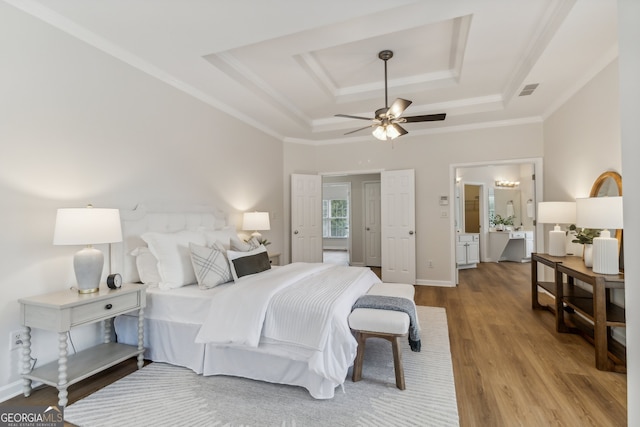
x=557, y=213
x=507, y=184
x=87, y=226
x=604, y=213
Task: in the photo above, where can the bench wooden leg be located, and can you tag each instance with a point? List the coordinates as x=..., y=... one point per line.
x=397, y=362
x=357, y=365
x=398, y=367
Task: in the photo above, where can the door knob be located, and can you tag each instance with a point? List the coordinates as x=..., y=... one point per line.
x=411, y=232
x=295, y=232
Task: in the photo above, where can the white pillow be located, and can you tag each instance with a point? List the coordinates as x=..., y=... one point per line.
x=210, y=265
x=242, y=246
x=223, y=235
x=147, y=265
x=174, y=257
x=247, y=263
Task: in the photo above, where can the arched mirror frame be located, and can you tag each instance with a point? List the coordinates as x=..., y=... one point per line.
x=595, y=192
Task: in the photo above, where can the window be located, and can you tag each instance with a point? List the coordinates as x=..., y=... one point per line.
x=335, y=218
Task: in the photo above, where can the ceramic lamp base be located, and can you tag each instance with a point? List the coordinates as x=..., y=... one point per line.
x=605, y=254
x=557, y=242
x=88, y=263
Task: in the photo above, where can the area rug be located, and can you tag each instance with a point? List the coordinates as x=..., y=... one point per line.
x=166, y=395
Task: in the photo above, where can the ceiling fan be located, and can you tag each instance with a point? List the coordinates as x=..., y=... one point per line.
x=386, y=120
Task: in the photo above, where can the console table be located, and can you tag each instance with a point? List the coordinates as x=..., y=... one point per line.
x=595, y=306
x=61, y=311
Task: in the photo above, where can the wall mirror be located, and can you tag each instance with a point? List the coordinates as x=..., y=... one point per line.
x=505, y=202
x=609, y=184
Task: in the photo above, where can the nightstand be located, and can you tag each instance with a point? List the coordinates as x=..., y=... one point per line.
x=61, y=311
x=274, y=258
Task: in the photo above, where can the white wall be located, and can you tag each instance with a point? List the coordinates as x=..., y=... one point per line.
x=78, y=127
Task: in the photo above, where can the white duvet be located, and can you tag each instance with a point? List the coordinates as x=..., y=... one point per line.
x=301, y=305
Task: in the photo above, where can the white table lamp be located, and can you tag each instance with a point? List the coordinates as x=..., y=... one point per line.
x=87, y=226
x=557, y=213
x=604, y=213
x=257, y=221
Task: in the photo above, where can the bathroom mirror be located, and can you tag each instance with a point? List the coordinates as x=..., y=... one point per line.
x=505, y=202
x=609, y=184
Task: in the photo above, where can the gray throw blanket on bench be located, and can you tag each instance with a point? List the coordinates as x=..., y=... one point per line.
x=381, y=302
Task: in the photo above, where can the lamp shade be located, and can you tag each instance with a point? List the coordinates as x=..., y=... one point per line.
x=605, y=213
x=87, y=226
x=599, y=212
x=256, y=221
x=556, y=212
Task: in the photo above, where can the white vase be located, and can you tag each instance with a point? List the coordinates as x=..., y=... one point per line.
x=587, y=255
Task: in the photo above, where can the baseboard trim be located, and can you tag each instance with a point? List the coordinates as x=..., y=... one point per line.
x=438, y=283
x=14, y=389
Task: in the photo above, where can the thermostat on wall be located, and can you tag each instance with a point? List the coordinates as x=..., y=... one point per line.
x=444, y=200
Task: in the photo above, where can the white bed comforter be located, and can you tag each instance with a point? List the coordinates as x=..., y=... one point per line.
x=301, y=304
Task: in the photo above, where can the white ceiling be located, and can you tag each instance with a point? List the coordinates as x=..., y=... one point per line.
x=288, y=66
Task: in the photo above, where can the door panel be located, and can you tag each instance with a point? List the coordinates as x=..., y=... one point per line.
x=372, y=247
x=306, y=218
x=398, y=226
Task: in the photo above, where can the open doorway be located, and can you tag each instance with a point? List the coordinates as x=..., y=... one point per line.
x=519, y=183
x=336, y=222
x=471, y=212
x=357, y=246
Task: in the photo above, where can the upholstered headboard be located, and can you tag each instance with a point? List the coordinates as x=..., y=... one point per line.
x=162, y=219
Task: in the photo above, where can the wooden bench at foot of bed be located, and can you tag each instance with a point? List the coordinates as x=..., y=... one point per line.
x=387, y=324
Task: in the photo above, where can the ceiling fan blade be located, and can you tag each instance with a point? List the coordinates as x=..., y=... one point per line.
x=399, y=129
x=398, y=106
x=358, y=130
x=425, y=118
x=353, y=117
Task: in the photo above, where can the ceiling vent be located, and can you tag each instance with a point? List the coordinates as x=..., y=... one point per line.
x=528, y=89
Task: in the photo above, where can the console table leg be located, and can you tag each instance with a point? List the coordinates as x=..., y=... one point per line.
x=62, y=369
x=600, y=335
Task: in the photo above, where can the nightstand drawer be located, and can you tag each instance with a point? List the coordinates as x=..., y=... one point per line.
x=104, y=308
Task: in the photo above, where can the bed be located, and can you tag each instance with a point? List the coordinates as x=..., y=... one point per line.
x=285, y=325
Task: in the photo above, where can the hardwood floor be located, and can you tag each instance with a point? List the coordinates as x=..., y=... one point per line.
x=511, y=368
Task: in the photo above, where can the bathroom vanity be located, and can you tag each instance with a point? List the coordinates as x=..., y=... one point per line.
x=514, y=246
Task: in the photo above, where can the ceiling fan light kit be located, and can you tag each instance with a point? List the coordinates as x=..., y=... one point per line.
x=385, y=122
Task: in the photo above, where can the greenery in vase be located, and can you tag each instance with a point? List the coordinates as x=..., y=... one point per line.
x=499, y=219
x=584, y=236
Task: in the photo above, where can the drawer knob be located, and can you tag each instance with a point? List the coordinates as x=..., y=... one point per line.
x=108, y=306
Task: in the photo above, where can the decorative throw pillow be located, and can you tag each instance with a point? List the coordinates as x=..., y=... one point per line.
x=210, y=265
x=249, y=245
x=174, y=257
x=246, y=263
x=147, y=265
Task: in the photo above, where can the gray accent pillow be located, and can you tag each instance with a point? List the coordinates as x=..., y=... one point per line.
x=210, y=265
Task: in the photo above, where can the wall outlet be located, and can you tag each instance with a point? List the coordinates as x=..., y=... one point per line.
x=15, y=340
x=430, y=263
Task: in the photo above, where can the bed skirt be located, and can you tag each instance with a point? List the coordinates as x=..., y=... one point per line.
x=174, y=343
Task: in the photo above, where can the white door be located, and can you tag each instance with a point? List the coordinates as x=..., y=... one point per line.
x=398, y=226
x=372, y=239
x=306, y=218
